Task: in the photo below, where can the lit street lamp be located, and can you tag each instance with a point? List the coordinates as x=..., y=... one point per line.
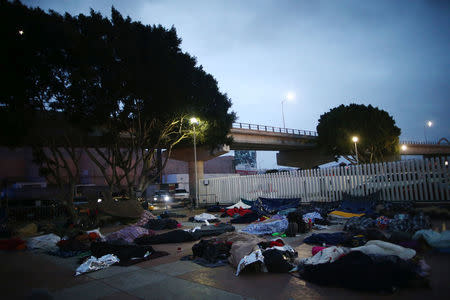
x=194, y=122
x=404, y=147
x=355, y=140
x=427, y=124
x=290, y=96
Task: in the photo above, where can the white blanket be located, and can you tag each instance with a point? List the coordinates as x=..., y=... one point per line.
x=238, y=205
x=204, y=217
x=384, y=248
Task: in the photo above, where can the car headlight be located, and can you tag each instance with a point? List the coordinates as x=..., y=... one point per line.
x=166, y=198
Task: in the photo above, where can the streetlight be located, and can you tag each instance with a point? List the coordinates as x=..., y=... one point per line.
x=290, y=96
x=355, y=140
x=194, y=122
x=427, y=124
x=404, y=147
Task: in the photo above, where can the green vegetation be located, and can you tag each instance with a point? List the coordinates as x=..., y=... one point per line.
x=378, y=136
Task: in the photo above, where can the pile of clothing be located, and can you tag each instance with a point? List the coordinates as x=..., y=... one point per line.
x=375, y=266
x=269, y=256
x=241, y=213
x=76, y=245
x=246, y=253
x=210, y=253
x=398, y=230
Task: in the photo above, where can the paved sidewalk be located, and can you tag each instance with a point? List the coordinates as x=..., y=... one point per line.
x=24, y=273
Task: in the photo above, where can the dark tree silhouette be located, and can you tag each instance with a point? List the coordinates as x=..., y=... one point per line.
x=114, y=89
x=378, y=135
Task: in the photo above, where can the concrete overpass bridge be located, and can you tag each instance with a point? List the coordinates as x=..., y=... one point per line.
x=298, y=148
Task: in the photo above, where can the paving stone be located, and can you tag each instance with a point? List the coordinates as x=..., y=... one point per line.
x=177, y=268
x=69, y=262
x=90, y=290
x=135, y=279
x=111, y=271
x=179, y=289
x=120, y=296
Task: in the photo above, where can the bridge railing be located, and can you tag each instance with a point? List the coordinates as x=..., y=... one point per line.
x=442, y=142
x=274, y=129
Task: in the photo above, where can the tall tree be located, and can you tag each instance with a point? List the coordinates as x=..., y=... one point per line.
x=121, y=88
x=378, y=136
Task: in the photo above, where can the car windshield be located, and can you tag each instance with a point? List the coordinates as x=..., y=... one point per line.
x=180, y=191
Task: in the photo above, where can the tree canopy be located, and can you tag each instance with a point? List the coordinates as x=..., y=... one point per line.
x=116, y=79
x=378, y=136
x=92, y=68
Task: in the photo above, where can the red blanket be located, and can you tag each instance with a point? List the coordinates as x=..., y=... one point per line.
x=240, y=211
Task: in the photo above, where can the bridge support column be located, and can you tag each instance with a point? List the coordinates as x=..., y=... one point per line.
x=203, y=154
x=200, y=175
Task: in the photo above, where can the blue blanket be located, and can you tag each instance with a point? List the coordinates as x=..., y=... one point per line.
x=276, y=224
x=273, y=205
x=248, y=202
x=359, y=204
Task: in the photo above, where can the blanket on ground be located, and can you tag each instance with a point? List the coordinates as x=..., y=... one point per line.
x=127, y=254
x=181, y=236
x=360, y=271
x=377, y=247
x=433, y=238
x=240, y=204
x=273, y=205
x=129, y=233
x=272, y=225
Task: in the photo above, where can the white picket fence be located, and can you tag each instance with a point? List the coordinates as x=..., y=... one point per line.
x=420, y=180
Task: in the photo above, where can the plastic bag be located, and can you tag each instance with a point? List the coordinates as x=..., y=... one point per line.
x=94, y=264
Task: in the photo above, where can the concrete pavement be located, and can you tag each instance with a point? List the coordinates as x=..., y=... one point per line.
x=24, y=274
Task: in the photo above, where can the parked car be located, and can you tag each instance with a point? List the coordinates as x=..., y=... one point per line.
x=163, y=199
x=181, y=194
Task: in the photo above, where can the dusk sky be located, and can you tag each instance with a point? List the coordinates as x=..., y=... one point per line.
x=392, y=54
